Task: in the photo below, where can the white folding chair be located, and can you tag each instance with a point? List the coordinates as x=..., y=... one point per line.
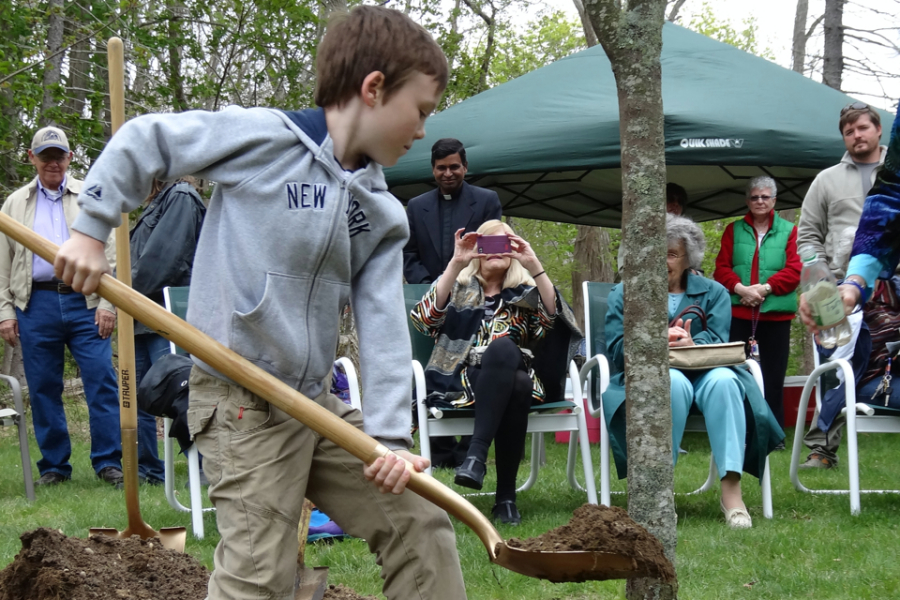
x=595, y=296
x=16, y=416
x=861, y=418
x=176, y=303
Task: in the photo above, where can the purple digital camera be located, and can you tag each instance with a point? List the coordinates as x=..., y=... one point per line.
x=493, y=244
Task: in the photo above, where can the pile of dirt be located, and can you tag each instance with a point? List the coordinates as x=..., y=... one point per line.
x=52, y=566
x=339, y=592
x=604, y=529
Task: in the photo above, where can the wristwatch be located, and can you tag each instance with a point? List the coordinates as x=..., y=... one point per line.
x=768, y=289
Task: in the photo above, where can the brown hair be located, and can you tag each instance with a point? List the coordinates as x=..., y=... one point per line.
x=373, y=38
x=850, y=116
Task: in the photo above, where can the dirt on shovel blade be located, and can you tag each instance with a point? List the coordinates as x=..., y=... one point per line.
x=604, y=529
x=52, y=566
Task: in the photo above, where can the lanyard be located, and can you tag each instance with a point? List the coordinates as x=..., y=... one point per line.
x=754, y=345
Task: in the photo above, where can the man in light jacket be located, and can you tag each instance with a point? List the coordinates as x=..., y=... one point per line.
x=832, y=206
x=46, y=316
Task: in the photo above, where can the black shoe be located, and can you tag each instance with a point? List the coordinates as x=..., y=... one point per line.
x=150, y=481
x=779, y=447
x=471, y=473
x=112, y=476
x=51, y=478
x=506, y=512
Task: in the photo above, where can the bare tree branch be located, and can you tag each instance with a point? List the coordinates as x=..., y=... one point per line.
x=673, y=13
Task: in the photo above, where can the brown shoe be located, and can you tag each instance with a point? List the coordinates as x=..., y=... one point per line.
x=817, y=461
x=112, y=476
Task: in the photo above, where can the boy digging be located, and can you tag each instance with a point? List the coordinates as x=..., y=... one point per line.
x=299, y=223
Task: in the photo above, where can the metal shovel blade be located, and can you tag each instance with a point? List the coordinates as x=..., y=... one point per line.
x=568, y=566
x=172, y=538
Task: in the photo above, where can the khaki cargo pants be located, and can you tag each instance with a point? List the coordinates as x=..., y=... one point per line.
x=261, y=463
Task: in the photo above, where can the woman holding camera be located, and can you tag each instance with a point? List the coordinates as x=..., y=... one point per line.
x=486, y=312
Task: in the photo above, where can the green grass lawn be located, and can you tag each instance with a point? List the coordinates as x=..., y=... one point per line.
x=813, y=548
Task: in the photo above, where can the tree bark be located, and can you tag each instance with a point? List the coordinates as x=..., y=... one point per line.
x=833, y=55
x=632, y=39
x=589, y=35
x=798, y=46
x=176, y=81
x=55, y=25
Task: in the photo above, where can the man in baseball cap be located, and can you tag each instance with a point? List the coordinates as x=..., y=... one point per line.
x=45, y=316
x=49, y=137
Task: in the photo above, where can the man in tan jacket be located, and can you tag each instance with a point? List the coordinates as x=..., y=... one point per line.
x=830, y=214
x=47, y=316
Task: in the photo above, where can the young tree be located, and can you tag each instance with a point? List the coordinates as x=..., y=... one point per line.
x=631, y=34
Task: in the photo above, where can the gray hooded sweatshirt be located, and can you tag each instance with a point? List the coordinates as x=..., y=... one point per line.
x=289, y=238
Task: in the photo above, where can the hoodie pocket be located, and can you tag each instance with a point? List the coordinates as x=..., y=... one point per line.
x=295, y=311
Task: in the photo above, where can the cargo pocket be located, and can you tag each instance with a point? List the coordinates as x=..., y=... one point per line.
x=201, y=417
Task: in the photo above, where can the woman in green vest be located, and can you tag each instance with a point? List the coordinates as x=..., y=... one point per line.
x=759, y=265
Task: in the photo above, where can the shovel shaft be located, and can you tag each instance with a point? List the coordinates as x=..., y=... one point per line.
x=262, y=384
x=127, y=393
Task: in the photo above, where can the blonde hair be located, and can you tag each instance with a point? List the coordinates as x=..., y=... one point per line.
x=516, y=274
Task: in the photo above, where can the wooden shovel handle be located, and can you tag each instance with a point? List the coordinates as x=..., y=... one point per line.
x=277, y=393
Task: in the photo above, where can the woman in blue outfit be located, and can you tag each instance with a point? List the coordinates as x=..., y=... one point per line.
x=728, y=397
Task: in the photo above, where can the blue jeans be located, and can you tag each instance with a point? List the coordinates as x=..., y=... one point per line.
x=148, y=348
x=50, y=322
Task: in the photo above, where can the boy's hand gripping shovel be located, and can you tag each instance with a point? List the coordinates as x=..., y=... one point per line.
x=170, y=537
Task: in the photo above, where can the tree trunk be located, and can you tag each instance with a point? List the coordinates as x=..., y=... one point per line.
x=589, y=35
x=632, y=39
x=591, y=249
x=591, y=260
x=176, y=81
x=833, y=56
x=55, y=24
x=798, y=46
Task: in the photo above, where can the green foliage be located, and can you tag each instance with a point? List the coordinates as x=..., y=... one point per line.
x=545, y=40
x=707, y=23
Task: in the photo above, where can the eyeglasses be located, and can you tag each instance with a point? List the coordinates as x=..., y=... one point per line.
x=763, y=198
x=59, y=158
x=854, y=106
x=673, y=256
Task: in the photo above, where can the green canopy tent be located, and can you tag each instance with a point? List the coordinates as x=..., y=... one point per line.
x=548, y=142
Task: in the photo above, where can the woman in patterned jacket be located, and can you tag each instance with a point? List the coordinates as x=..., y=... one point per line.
x=486, y=312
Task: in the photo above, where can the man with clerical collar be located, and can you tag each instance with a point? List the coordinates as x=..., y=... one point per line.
x=436, y=216
x=46, y=316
